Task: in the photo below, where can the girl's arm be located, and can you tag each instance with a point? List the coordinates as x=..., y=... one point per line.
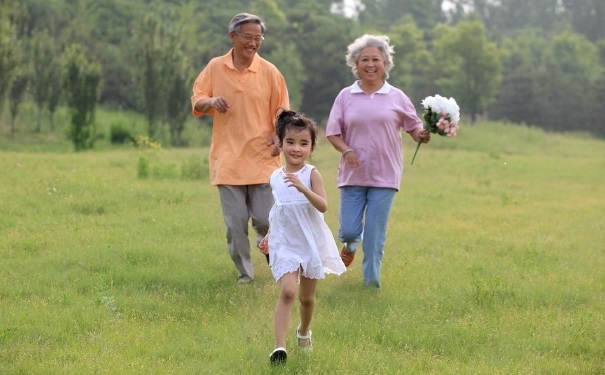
x=318, y=199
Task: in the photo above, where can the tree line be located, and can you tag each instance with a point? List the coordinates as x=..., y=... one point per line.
x=539, y=63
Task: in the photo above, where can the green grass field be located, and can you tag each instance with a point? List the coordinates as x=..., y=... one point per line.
x=494, y=264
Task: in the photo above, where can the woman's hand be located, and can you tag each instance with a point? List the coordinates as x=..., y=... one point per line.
x=421, y=135
x=352, y=160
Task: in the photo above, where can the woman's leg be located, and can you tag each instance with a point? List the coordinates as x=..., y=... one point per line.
x=352, y=205
x=380, y=201
x=283, y=308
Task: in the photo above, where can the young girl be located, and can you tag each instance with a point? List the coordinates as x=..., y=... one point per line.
x=302, y=247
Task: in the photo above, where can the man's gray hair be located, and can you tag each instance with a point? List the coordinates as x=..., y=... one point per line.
x=242, y=18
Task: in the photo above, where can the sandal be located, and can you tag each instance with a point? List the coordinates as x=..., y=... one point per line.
x=278, y=356
x=347, y=256
x=304, y=348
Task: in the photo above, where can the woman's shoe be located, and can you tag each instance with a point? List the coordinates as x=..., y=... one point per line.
x=278, y=356
x=304, y=342
x=347, y=256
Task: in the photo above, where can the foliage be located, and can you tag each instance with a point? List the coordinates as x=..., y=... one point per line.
x=10, y=56
x=82, y=85
x=307, y=41
x=17, y=91
x=328, y=40
x=119, y=134
x=472, y=73
x=195, y=168
x=412, y=61
x=44, y=57
x=381, y=15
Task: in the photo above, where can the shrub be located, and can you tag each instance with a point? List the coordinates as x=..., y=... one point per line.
x=194, y=168
x=119, y=134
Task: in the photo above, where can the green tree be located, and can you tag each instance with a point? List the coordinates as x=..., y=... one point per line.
x=412, y=61
x=569, y=71
x=179, y=80
x=518, y=97
x=17, y=92
x=82, y=83
x=289, y=62
x=10, y=56
x=45, y=61
x=587, y=17
x=507, y=17
x=382, y=14
x=55, y=94
x=152, y=54
x=322, y=41
x=469, y=64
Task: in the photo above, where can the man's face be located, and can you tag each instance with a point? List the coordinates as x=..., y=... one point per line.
x=247, y=40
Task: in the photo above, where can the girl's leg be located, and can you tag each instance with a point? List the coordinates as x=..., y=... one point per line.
x=283, y=308
x=306, y=296
x=380, y=201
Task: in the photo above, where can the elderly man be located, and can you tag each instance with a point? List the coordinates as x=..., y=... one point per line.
x=243, y=92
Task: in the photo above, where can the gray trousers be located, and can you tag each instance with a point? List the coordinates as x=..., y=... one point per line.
x=240, y=203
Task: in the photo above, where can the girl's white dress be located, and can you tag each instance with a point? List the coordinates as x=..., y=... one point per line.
x=298, y=233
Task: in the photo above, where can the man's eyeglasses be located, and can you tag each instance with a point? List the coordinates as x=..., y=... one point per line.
x=250, y=37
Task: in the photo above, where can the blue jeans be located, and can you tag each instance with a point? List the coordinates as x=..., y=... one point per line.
x=375, y=203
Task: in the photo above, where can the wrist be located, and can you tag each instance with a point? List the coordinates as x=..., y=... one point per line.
x=345, y=152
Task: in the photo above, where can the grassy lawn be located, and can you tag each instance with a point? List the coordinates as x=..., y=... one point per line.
x=494, y=264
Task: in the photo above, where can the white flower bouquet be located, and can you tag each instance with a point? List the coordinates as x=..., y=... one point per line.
x=441, y=116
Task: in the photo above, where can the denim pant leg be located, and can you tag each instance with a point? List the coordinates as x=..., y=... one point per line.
x=380, y=201
x=352, y=206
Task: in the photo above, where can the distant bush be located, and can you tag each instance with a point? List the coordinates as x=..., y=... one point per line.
x=194, y=168
x=164, y=171
x=119, y=134
x=143, y=167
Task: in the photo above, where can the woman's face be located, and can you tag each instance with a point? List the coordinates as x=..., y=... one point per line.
x=370, y=65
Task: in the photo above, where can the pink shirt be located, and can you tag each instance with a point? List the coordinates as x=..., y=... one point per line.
x=372, y=125
x=239, y=153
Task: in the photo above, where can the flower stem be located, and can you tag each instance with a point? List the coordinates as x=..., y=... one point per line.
x=417, y=147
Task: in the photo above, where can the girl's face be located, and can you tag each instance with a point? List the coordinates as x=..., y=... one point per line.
x=296, y=147
x=370, y=65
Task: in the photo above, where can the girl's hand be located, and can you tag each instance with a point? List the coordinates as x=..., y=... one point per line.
x=292, y=180
x=263, y=245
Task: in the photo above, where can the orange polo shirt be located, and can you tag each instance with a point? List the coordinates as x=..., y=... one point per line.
x=239, y=153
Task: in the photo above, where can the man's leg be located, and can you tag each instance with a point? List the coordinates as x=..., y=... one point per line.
x=260, y=201
x=235, y=215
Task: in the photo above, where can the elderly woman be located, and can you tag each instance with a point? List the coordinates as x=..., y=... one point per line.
x=365, y=126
